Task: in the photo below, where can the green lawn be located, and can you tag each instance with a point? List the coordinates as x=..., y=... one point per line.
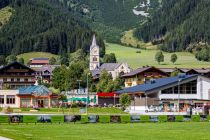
x=147, y=57
x=28, y=56
x=138, y=131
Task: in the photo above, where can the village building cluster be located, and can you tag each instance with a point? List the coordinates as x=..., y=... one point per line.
x=150, y=88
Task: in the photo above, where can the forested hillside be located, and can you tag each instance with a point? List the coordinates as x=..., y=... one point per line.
x=43, y=25
x=178, y=25
x=111, y=17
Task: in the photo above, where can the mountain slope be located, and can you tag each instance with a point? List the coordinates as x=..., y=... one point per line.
x=178, y=24
x=46, y=26
x=111, y=17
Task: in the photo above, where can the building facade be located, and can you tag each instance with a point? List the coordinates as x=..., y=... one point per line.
x=171, y=94
x=38, y=62
x=30, y=96
x=15, y=75
x=143, y=75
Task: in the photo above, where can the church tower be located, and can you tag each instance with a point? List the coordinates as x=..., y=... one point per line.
x=94, y=55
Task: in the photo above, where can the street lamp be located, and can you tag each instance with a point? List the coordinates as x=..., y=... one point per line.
x=179, y=94
x=87, y=95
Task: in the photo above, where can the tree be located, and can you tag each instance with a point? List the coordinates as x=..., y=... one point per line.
x=59, y=78
x=175, y=73
x=125, y=100
x=173, y=58
x=21, y=60
x=52, y=61
x=2, y=60
x=105, y=79
x=159, y=57
x=11, y=58
x=110, y=58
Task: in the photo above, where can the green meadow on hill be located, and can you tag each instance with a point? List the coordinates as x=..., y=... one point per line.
x=147, y=57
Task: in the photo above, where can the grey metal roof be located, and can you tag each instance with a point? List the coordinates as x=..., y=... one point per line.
x=109, y=66
x=35, y=90
x=159, y=83
x=140, y=70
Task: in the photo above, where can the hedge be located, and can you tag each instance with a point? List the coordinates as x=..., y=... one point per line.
x=4, y=119
x=104, y=119
x=84, y=119
x=162, y=118
x=125, y=118
x=208, y=118
x=144, y=118
x=179, y=118
x=30, y=119
x=195, y=118
x=57, y=119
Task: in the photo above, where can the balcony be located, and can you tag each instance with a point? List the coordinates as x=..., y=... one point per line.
x=176, y=96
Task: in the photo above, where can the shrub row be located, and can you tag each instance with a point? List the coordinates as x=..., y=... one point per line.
x=99, y=118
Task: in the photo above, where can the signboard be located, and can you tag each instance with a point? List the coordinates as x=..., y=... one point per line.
x=16, y=119
x=44, y=119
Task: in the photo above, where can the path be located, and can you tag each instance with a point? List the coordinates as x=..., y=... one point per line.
x=3, y=138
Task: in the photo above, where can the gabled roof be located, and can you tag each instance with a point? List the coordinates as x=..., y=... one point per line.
x=158, y=84
x=39, y=59
x=13, y=63
x=202, y=70
x=168, y=70
x=34, y=90
x=110, y=66
x=140, y=70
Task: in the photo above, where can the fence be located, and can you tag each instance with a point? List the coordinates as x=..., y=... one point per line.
x=100, y=118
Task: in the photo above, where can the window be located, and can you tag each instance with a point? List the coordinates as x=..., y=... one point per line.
x=12, y=79
x=5, y=79
x=26, y=80
x=18, y=79
x=10, y=99
x=95, y=59
x=1, y=99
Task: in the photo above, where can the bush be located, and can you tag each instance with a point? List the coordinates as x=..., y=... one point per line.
x=104, y=119
x=144, y=119
x=84, y=118
x=179, y=118
x=57, y=119
x=138, y=51
x=30, y=119
x=125, y=118
x=162, y=118
x=208, y=118
x=4, y=119
x=195, y=118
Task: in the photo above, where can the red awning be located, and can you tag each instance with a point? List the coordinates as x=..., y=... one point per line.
x=106, y=94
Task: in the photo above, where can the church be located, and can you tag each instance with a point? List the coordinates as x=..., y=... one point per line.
x=115, y=69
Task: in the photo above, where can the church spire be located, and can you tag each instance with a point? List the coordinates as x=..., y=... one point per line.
x=94, y=41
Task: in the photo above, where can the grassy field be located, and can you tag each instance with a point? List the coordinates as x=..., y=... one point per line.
x=129, y=39
x=27, y=56
x=147, y=57
x=95, y=110
x=5, y=14
x=140, y=131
